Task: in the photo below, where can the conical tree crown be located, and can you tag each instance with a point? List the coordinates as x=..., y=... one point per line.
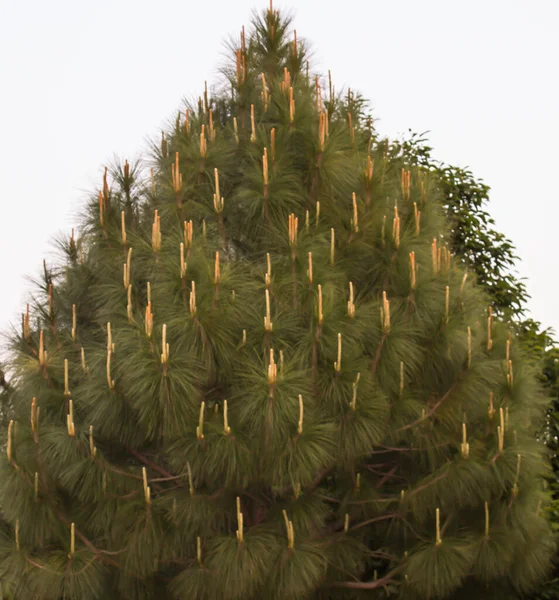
x=259, y=372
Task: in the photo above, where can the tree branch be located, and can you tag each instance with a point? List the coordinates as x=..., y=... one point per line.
x=376, y=520
x=368, y=585
x=431, y=411
x=151, y=464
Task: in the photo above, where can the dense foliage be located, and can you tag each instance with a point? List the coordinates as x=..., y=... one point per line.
x=260, y=372
x=545, y=354
x=491, y=256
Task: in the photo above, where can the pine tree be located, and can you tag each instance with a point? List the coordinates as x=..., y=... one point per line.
x=259, y=372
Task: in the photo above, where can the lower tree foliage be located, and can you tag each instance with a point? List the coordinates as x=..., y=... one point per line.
x=260, y=372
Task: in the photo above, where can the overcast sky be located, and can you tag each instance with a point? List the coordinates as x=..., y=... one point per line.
x=82, y=81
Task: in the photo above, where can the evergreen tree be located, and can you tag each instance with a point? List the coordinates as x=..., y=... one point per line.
x=259, y=372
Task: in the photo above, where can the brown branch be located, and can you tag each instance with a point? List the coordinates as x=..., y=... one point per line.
x=314, y=184
x=121, y=472
x=149, y=463
x=159, y=479
x=377, y=355
x=389, y=450
x=432, y=410
x=318, y=479
x=387, y=476
x=426, y=485
x=376, y=520
x=368, y=585
x=38, y=566
x=419, y=537
x=358, y=502
x=294, y=278
x=315, y=358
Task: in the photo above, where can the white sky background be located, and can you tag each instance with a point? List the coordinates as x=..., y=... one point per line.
x=83, y=81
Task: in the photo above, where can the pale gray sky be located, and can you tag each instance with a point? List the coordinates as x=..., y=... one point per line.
x=82, y=81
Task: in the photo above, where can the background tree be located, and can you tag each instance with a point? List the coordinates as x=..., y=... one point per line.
x=261, y=373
